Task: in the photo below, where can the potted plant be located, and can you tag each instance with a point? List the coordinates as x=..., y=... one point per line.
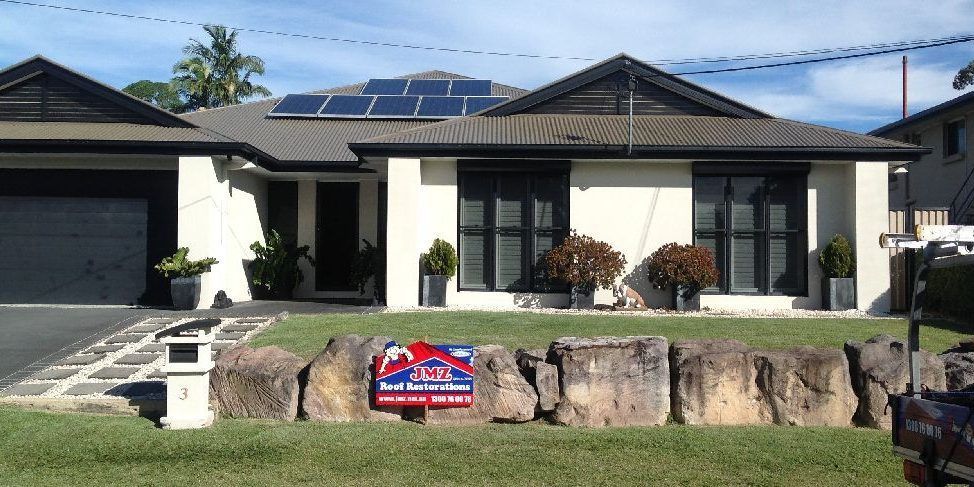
x=185, y=283
x=369, y=262
x=585, y=264
x=838, y=265
x=685, y=269
x=441, y=263
x=275, y=271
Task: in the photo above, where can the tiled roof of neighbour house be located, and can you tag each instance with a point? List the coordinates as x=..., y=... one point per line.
x=609, y=134
x=924, y=114
x=585, y=115
x=312, y=140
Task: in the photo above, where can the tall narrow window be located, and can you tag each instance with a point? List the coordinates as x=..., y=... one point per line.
x=755, y=227
x=955, y=139
x=508, y=221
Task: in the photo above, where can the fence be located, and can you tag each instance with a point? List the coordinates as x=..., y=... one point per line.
x=901, y=267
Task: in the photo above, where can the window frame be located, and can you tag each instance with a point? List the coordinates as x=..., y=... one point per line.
x=725, y=234
x=961, y=138
x=531, y=172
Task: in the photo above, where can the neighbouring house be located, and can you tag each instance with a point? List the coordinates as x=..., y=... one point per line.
x=944, y=178
x=501, y=173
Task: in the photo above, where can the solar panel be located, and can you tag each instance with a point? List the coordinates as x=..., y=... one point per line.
x=347, y=106
x=440, y=106
x=470, y=87
x=478, y=103
x=378, y=86
x=394, y=106
x=299, y=106
x=428, y=87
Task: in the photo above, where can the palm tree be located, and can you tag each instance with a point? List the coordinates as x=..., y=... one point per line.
x=217, y=74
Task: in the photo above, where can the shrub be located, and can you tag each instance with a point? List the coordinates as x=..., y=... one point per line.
x=585, y=263
x=370, y=261
x=949, y=292
x=682, y=265
x=837, y=259
x=441, y=259
x=178, y=265
x=274, y=270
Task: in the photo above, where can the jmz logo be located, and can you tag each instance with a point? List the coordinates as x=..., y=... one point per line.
x=431, y=373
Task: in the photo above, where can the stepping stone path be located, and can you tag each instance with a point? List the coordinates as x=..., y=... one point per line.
x=126, y=364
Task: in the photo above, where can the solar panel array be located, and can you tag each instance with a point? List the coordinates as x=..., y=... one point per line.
x=396, y=98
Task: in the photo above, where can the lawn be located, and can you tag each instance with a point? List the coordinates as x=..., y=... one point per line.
x=306, y=335
x=70, y=449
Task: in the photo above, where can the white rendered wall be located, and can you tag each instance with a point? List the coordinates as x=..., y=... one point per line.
x=220, y=213
x=870, y=211
x=403, y=233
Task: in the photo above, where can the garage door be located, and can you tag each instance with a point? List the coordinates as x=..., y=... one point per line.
x=72, y=250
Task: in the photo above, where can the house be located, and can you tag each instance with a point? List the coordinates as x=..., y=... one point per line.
x=943, y=178
x=503, y=175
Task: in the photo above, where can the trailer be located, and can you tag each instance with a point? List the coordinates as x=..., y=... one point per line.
x=932, y=430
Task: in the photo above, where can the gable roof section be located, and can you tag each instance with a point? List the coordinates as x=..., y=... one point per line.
x=924, y=115
x=660, y=137
x=323, y=142
x=40, y=90
x=657, y=92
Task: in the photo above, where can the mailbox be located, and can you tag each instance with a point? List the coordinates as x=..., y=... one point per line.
x=187, y=369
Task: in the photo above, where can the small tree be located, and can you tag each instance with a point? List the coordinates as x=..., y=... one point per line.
x=686, y=265
x=178, y=265
x=585, y=263
x=837, y=259
x=441, y=259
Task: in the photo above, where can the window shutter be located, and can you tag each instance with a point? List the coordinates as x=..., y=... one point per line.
x=474, y=259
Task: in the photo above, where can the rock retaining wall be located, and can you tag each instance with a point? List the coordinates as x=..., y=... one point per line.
x=605, y=381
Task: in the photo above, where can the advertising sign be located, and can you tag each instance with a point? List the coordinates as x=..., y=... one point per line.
x=421, y=374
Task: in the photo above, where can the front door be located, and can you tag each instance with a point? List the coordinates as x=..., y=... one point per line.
x=336, y=235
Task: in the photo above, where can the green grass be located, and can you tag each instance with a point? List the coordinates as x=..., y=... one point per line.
x=70, y=449
x=306, y=335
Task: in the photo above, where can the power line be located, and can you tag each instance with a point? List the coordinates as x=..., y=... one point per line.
x=885, y=48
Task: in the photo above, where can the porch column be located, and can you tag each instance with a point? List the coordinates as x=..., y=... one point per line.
x=402, y=255
x=871, y=218
x=201, y=215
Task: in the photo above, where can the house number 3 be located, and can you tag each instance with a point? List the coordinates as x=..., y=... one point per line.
x=183, y=394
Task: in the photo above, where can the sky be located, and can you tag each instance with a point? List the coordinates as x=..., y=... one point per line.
x=859, y=94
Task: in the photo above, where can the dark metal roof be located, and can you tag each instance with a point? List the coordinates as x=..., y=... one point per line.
x=924, y=115
x=299, y=140
x=667, y=136
x=90, y=131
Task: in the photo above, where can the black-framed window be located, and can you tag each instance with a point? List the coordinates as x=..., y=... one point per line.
x=755, y=226
x=955, y=139
x=508, y=221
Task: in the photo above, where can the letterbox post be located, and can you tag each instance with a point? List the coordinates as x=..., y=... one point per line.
x=187, y=369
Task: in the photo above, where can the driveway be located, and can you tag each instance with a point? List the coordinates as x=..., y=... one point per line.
x=32, y=338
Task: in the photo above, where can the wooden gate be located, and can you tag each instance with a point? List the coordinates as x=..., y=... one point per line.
x=900, y=267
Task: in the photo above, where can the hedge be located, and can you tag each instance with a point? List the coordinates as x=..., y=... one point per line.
x=951, y=292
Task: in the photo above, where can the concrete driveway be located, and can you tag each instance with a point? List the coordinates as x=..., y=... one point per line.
x=32, y=338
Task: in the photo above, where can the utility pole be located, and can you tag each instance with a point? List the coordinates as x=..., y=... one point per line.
x=632, y=91
x=904, y=86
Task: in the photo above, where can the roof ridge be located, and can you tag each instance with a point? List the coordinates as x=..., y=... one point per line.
x=922, y=114
x=420, y=128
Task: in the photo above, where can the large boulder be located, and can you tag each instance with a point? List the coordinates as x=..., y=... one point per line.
x=880, y=367
x=959, y=367
x=501, y=394
x=257, y=383
x=806, y=386
x=541, y=375
x=612, y=381
x=714, y=383
x=339, y=386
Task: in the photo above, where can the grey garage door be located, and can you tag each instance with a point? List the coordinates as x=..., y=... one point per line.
x=72, y=250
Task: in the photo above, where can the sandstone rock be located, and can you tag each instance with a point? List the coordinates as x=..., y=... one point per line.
x=339, y=386
x=612, y=381
x=726, y=382
x=806, y=386
x=501, y=394
x=257, y=383
x=879, y=367
x=541, y=375
x=714, y=383
x=959, y=367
